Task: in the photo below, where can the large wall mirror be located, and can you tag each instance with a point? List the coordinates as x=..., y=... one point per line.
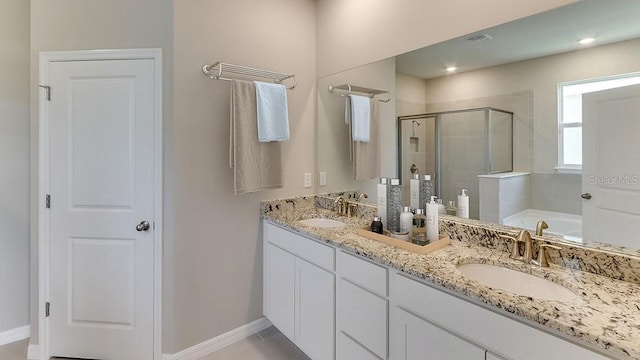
x=581, y=175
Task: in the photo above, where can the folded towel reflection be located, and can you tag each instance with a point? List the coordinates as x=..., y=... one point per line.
x=273, y=114
x=257, y=165
x=366, y=155
x=357, y=113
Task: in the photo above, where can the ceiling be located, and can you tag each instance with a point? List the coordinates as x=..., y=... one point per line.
x=552, y=32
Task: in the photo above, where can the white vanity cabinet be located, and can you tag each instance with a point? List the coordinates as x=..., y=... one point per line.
x=425, y=320
x=335, y=305
x=299, y=290
x=361, y=309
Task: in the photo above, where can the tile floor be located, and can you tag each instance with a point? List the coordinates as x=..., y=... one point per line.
x=269, y=344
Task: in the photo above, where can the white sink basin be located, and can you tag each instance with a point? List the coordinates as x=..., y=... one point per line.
x=516, y=282
x=323, y=223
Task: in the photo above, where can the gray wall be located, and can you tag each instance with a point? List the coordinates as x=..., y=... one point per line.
x=14, y=164
x=216, y=236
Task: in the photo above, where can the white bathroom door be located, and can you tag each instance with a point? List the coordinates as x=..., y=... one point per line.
x=611, y=169
x=101, y=118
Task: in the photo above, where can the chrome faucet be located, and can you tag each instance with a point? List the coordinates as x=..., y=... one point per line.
x=341, y=205
x=524, y=237
x=363, y=195
x=540, y=227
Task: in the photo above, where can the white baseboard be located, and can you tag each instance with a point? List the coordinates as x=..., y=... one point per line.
x=33, y=352
x=205, y=348
x=13, y=335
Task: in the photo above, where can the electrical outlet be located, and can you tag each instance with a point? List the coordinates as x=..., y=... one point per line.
x=307, y=180
x=323, y=178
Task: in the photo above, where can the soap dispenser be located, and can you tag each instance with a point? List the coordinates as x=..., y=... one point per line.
x=406, y=221
x=432, y=220
x=463, y=204
x=382, y=194
x=414, y=191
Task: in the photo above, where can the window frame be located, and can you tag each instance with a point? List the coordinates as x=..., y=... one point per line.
x=574, y=168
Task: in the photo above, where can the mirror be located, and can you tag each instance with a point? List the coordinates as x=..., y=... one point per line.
x=514, y=67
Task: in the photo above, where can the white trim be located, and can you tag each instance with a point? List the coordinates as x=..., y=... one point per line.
x=46, y=58
x=205, y=348
x=568, y=170
x=16, y=334
x=33, y=352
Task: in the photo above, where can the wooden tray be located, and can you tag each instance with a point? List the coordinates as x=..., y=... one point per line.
x=407, y=245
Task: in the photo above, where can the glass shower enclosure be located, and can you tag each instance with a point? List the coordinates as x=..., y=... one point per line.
x=454, y=147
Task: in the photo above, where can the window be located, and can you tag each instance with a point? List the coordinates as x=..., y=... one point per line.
x=570, y=115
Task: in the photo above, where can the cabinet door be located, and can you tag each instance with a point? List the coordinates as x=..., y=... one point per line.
x=362, y=316
x=279, y=289
x=315, y=311
x=413, y=338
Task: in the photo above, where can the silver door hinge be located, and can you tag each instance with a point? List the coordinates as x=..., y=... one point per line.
x=47, y=88
x=47, y=201
x=47, y=309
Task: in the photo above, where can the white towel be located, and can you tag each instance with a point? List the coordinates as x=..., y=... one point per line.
x=358, y=113
x=273, y=115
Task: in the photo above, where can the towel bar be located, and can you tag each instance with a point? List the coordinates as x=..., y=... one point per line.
x=350, y=89
x=216, y=71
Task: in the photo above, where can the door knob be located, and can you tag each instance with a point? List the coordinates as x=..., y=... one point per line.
x=143, y=226
x=586, y=196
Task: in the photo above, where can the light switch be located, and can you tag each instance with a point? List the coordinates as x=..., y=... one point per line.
x=323, y=178
x=307, y=180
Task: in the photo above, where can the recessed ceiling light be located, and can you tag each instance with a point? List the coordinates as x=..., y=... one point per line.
x=451, y=68
x=586, y=41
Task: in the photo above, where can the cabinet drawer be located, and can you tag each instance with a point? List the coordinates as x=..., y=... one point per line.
x=362, y=272
x=307, y=249
x=363, y=316
x=347, y=349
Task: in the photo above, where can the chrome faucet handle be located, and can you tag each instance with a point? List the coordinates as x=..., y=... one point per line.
x=540, y=226
x=515, y=250
x=351, y=208
x=341, y=205
x=542, y=255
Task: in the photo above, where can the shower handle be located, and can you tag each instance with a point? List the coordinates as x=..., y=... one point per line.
x=586, y=196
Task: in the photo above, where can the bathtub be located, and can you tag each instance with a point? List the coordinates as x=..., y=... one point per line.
x=567, y=225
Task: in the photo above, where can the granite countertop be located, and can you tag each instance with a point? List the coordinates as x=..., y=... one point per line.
x=605, y=315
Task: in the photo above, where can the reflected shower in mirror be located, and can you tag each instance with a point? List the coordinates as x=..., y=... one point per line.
x=455, y=148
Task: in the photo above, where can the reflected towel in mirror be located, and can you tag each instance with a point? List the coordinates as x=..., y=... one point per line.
x=366, y=155
x=357, y=113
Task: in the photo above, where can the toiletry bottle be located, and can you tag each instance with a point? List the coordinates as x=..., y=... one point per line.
x=394, y=205
x=441, y=209
x=383, y=193
x=432, y=220
x=426, y=190
x=406, y=220
x=463, y=204
x=451, y=208
x=376, y=225
x=419, y=230
x=414, y=192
